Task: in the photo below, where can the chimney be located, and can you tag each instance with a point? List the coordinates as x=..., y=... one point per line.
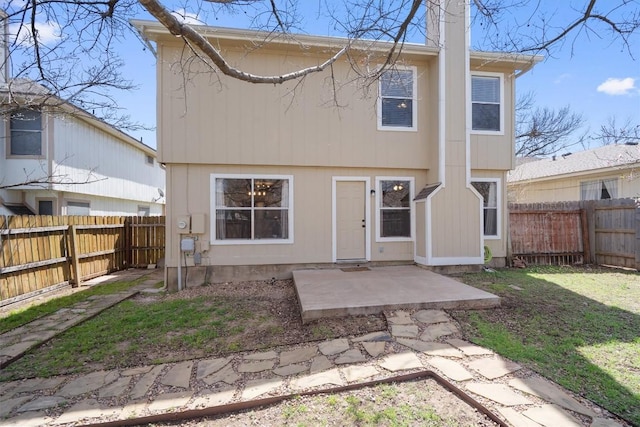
x=434, y=11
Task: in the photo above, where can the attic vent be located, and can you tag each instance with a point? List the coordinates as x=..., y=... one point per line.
x=149, y=160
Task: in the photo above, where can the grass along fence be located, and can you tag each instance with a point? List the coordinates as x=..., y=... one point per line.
x=603, y=232
x=44, y=253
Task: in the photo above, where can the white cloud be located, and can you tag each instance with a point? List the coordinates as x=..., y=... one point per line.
x=47, y=32
x=187, y=17
x=614, y=86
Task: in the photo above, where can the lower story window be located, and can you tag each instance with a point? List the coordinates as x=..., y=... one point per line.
x=489, y=192
x=253, y=208
x=78, y=208
x=394, y=208
x=601, y=189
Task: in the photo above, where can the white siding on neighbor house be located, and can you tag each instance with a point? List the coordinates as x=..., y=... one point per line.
x=17, y=170
x=117, y=169
x=99, y=206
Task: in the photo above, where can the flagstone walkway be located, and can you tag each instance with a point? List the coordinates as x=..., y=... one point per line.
x=423, y=340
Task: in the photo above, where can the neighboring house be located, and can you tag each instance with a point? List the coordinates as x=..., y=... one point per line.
x=269, y=178
x=57, y=159
x=607, y=172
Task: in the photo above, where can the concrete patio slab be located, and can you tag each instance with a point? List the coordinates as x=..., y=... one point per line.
x=336, y=293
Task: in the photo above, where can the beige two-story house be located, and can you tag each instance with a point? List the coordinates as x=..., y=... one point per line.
x=263, y=179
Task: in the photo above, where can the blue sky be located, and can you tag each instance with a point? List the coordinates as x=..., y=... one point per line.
x=594, y=76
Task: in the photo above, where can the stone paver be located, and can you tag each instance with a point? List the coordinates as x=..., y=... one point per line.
x=493, y=367
x=450, y=369
x=431, y=316
x=400, y=318
x=209, y=399
x=551, y=416
x=116, y=388
x=350, y=356
x=144, y=384
x=298, y=355
x=374, y=336
x=330, y=377
x=374, y=349
x=329, y=348
x=359, y=373
x=226, y=375
x=89, y=408
x=210, y=366
x=253, y=367
x=433, y=332
x=170, y=401
x=44, y=402
x=467, y=348
x=516, y=419
x=404, y=331
x=401, y=362
x=319, y=364
x=498, y=393
x=431, y=348
x=35, y=384
x=252, y=375
x=288, y=370
x=8, y=405
x=257, y=388
x=88, y=383
x=179, y=375
x=551, y=393
x=265, y=355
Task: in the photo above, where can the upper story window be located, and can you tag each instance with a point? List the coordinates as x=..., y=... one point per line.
x=488, y=189
x=397, y=108
x=26, y=133
x=487, y=106
x=601, y=189
x=252, y=209
x=394, y=197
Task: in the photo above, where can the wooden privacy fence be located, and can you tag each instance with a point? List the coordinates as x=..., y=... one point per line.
x=43, y=253
x=604, y=232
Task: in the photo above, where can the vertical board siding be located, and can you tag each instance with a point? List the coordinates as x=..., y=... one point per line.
x=38, y=253
x=605, y=232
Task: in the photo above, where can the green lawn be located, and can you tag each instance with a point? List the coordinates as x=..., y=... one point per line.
x=24, y=316
x=579, y=327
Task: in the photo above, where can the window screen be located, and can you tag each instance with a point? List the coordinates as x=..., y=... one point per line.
x=396, y=93
x=26, y=133
x=485, y=99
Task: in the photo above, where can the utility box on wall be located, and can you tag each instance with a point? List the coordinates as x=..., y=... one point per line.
x=198, y=223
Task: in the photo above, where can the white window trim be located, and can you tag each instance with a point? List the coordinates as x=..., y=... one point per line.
x=412, y=208
x=498, y=182
x=414, y=119
x=212, y=189
x=601, y=180
x=502, y=124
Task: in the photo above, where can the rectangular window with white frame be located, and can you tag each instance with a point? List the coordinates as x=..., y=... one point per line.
x=601, y=189
x=397, y=107
x=487, y=103
x=26, y=133
x=490, y=191
x=394, y=200
x=252, y=209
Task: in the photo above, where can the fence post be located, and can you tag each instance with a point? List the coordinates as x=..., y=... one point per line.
x=586, y=241
x=74, y=267
x=637, y=226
